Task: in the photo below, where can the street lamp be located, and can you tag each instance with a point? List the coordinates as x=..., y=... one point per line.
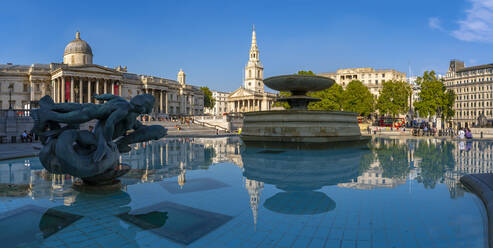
x=11, y=88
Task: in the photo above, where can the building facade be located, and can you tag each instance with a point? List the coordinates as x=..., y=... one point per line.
x=473, y=87
x=371, y=78
x=220, y=104
x=251, y=96
x=77, y=79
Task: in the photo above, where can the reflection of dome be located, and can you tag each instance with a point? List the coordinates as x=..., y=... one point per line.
x=77, y=52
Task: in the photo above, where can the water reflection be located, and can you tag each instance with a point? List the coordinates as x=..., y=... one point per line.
x=385, y=163
x=299, y=173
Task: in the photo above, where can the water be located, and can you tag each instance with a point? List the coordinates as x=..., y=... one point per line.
x=217, y=193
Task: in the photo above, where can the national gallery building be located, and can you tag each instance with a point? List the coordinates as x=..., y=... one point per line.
x=77, y=79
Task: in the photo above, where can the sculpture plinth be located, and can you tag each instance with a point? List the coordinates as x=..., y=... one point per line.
x=92, y=155
x=298, y=125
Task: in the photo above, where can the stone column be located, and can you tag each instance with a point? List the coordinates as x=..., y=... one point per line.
x=81, y=91
x=113, y=87
x=166, y=102
x=120, y=86
x=105, y=88
x=31, y=92
x=63, y=89
x=43, y=89
x=89, y=96
x=53, y=90
x=161, y=107
x=72, y=97
x=97, y=86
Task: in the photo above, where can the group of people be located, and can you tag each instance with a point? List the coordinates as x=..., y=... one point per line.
x=464, y=133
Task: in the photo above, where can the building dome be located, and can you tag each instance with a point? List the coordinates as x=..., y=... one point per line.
x=77, y=52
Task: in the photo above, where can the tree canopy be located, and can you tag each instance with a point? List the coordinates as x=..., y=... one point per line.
x=357, y=98
x=209, y=101
x=331, y=99
x=305, y=73
x=434, y=96
x=393, y=98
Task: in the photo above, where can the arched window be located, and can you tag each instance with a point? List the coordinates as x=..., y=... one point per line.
x=249, y=73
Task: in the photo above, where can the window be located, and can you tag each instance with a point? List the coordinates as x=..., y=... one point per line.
x=383, y=75
x=249, y=73
x=25, y=87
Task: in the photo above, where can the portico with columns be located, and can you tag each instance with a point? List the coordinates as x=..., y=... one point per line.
x=80, y=84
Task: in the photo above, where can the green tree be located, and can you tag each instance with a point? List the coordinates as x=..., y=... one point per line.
x=331, y=99
x=448, y=109
x=209, y=101
x=434, y=96
x=357, y=98
x=306, y=73
x=393, y=99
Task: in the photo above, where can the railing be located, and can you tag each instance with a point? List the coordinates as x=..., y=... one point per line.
x=210, y=125
x=17, y=112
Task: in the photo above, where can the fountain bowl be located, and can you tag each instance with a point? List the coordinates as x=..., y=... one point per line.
x=298, y=84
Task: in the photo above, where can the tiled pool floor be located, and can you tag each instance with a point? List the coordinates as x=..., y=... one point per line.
x=287, y=199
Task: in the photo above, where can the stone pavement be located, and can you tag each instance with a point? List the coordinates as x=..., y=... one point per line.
x=18, y=150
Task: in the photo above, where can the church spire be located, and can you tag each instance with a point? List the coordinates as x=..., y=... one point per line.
x=254, y=38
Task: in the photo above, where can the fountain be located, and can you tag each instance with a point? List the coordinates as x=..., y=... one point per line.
x=299, y=126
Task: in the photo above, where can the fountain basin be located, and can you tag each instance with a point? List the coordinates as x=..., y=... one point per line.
x=300, y=126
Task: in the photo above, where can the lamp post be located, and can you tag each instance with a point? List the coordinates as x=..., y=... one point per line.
x=11, y=88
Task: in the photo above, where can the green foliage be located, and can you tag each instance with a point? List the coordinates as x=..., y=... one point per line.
x=393, y=99
x=357, y=98
x=436, y=159
x=393, y=159
x=448, y=109
x=305, y=73
x=434, y=96
x=285, y=105
x=331, y=99
x=209, y=101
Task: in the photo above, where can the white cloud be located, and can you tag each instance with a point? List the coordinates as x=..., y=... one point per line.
x=435, y=23
x=478, y=24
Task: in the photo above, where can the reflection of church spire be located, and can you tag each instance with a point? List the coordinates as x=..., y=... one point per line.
x=254, y=190
x=181, y=178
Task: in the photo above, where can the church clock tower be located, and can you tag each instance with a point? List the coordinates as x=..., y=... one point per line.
x=254, y=70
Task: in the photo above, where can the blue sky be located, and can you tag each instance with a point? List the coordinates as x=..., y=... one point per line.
x=210, y=39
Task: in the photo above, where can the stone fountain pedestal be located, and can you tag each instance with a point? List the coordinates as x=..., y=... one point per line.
x=298, y=125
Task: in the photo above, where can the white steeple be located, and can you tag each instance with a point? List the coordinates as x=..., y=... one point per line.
x=254, y=70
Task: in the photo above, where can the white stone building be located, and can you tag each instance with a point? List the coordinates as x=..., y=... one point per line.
x=473, y=88
x=77, y=79
x=220, y=105
x=251, y=96
x=371, y=78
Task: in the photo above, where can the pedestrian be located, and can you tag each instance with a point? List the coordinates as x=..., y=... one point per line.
x=461, y=134
x=368, y=129
x=468, y=134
